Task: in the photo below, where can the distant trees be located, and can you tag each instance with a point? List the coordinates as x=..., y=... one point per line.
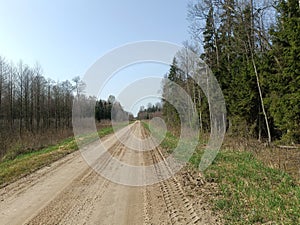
x=150, y=112
x=111, y=110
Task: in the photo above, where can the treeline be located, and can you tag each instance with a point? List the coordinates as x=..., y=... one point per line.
x=253, y=49
x=150, y=111
x=33, y=108
x=37, y=112
x=30, y=102
x=111, y=110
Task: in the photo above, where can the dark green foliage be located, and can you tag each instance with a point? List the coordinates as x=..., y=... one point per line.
x=285, y=87
x=103, y=110
x=256, y=62
x=110, y=110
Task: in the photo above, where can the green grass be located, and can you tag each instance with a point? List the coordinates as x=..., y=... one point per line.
x=253, y=193
x=250, y=192
x=24, y=164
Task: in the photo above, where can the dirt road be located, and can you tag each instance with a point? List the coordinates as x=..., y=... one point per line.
x=70, y=192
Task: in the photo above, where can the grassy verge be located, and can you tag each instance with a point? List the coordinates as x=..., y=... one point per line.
x=24, y=164
x=251, y=193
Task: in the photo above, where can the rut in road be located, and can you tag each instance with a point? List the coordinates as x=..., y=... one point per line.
x=89, y=198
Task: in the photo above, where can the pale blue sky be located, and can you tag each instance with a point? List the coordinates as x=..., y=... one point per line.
x=66, y=37
x=130, y=77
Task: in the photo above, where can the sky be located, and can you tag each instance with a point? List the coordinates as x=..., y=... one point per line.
x=67, y=37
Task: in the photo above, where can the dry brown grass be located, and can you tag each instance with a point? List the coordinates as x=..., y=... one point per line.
x=13, y=144
x=24, y=163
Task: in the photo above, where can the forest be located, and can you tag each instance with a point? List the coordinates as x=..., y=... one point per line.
x=36, y=112
x=253, y=50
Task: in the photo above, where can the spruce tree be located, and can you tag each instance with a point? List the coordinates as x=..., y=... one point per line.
x=285, y=102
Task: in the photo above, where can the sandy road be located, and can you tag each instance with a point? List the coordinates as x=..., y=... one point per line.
x=70, y=192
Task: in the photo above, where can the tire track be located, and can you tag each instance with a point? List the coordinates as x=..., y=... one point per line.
x=180, y=209
x=75, y=203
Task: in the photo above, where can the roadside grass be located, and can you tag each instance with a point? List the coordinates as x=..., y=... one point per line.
x=251, y=193
x=24, y=164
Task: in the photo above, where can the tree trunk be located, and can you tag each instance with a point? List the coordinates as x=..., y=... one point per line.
x=261, y=98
